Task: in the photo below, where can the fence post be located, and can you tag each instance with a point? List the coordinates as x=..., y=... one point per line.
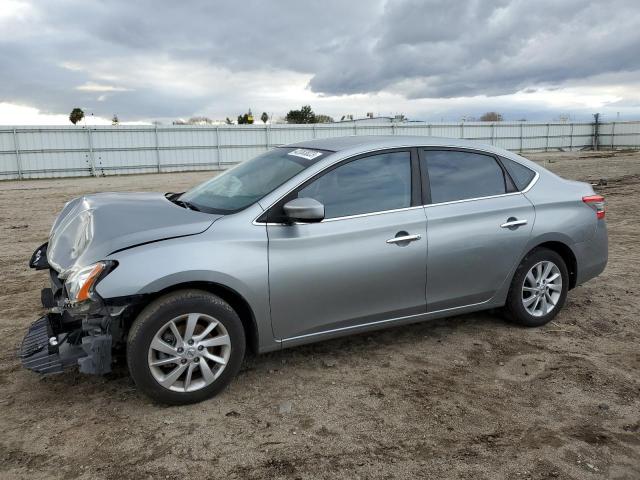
x=267, y=137
x=157, y=147
x=218, y=146
x=596, y=131
x=461, y=129
x=521, y=134
x=429, y=130
x=18, y=158
x=92, y=162
x=571, y=138
x=355, y=128
x=313, y=127
x=613, y=134
x=546, y=144
x=493, y=133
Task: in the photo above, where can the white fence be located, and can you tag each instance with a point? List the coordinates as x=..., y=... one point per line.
x=46, y=152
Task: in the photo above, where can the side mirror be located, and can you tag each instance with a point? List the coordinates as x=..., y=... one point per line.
x=306, y=210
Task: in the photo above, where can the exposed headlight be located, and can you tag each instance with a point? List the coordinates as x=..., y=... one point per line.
x=84, y=235
x=81, y=282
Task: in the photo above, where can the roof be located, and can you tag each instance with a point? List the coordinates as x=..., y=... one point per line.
x=372, y=142
x=357, y=144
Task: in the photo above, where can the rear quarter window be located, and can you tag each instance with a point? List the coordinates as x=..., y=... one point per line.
x=520, y=174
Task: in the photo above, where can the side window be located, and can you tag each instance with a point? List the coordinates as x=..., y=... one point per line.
x=520, y=174
x=370, y=184
x=462, y=175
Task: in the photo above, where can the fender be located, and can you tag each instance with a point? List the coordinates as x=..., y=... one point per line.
x=200, y=258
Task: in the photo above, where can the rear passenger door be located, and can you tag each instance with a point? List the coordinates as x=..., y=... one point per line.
x=478, y=224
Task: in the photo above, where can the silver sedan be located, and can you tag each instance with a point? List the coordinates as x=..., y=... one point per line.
x=303, y=243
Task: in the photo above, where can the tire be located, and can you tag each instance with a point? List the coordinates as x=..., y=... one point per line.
x=206, y=330
x=526, y=289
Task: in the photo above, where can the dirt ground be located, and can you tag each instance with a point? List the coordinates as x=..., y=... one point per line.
x=468, y=397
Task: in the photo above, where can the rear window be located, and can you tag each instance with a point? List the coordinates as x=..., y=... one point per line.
x=520, y=174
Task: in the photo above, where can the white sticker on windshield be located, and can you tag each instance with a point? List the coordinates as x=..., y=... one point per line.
x=304, y=153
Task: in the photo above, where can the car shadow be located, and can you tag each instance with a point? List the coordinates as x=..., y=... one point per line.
x=118, y=386
x=366, y=342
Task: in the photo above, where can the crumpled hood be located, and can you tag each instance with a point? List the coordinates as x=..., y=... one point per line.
x=91, y=227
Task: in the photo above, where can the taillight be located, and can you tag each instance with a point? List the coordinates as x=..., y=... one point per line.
x=597, y=203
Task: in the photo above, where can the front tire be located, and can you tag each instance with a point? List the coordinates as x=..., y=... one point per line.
x=185, y=347
x=539, y=288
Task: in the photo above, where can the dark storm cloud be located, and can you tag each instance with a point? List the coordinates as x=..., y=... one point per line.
x=60, y=45
x=438, y=48
x=420, y=49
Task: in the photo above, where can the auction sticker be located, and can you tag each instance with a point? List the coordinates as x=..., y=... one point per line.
x=304, y=153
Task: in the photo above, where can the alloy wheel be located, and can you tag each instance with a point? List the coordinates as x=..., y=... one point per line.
x=189, y=352
x=542, y=288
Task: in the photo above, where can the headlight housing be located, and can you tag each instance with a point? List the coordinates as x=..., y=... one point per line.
x=84, y=234
x=80, y=283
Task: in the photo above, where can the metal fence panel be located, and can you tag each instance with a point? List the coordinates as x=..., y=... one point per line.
x=54, y=164
x=45, y=152
x=284, y=134
x=626, y=135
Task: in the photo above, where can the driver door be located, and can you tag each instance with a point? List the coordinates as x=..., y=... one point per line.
x=349, y=269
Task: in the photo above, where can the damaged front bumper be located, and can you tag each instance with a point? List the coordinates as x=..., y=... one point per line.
x=68, y=336
x=45, y=352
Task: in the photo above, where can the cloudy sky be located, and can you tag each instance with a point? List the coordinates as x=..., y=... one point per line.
x=432, y=60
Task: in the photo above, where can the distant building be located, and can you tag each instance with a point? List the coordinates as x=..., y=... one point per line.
x=370, y=120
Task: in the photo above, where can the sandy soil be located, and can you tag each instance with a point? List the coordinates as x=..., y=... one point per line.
x=468, y=397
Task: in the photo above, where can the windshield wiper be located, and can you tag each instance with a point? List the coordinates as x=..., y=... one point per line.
x=173, y=197
x=188, y=205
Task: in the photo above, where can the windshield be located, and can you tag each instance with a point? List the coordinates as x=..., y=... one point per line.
x=248, y=182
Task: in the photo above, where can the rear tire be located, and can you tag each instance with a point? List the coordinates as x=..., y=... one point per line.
x=185, y=347
x=538, y=289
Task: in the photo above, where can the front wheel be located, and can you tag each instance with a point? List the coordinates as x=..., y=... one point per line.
x=538, y=289
x=185, y=347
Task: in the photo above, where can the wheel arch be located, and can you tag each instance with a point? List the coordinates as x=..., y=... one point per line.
x=565, y=251
x=229, y=295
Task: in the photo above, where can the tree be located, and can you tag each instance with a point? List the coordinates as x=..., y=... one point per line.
x=76, y=115
x=114, y=120
x=491, y=117
x=324, y=119
x=246, y=119
x=304, y=115
x=264, y=117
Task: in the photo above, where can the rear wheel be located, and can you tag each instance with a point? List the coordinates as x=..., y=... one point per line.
x=185, y=347
x=538, y=289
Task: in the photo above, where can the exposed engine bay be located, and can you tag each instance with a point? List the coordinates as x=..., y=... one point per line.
x=71, y=335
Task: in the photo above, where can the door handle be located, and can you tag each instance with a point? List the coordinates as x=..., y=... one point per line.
x=512, y=222
x=404, y=238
